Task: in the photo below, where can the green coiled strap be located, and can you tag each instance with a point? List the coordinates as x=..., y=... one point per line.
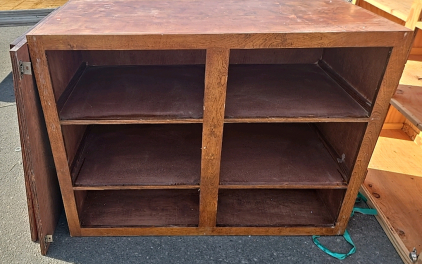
x=346, y=235
x=335, y=254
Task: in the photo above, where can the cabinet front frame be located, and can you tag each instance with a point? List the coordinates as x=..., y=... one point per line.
x=218, y=48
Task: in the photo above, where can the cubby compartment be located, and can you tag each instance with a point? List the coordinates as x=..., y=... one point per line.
x=138, y=208
x=278, y=208
x=139, y=156
x=131, y=86
x=285, y=155
x=330, y=83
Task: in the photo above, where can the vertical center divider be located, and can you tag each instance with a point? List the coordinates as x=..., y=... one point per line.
x=216, y=74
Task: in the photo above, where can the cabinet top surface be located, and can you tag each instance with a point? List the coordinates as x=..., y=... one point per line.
x=167, y=17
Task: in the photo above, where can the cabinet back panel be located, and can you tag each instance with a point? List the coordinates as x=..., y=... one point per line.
x=63, y=65
x=362, y=68
x=275, y=56
x=343, y=138
x=143, y=57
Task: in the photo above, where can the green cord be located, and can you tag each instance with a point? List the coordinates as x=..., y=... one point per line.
x=346, y=235
x=335, y=254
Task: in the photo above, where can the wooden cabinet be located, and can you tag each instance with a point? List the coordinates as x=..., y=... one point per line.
x=213, y=117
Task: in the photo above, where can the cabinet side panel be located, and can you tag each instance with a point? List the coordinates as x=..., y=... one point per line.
x=362, y=68
x=275, y=56
x=332, y=200
x=63, y=65
x=143, y=57
x=344, y=138
x=72, y=136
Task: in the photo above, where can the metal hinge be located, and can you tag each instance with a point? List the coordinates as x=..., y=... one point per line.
x=24, y=68
x=413, y=255
x=48, y=239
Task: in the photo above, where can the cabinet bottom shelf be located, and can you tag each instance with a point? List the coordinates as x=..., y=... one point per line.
x=278, y=208
x=139, y=208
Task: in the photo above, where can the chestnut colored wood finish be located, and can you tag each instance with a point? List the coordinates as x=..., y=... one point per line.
x=184, y=86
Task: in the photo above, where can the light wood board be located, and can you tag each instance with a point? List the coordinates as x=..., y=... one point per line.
x=30, y=4
x=408, y=97
x=394, y=187
x=399, y=9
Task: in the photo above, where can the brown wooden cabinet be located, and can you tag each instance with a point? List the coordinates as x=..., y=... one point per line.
x=213, y=117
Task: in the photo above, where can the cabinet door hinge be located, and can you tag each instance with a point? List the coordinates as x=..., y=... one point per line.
x=48, y=239
x=24, y=68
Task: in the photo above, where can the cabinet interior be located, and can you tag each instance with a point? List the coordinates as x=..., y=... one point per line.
x=132, y=124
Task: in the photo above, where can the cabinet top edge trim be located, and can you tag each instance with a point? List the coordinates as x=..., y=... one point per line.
x=228, y=41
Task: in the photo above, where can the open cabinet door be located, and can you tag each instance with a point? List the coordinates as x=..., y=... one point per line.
x=42, y=188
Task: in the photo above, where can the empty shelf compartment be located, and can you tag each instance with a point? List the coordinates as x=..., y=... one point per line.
x=123, y=155
x=136, y=92
x=289, y=91
x=133, y=208
x=277, y=155
x=277, y=208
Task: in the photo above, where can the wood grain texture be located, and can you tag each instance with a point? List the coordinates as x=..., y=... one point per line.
x=216, y=71
x=229, y=41
x=43, y=194
x=414, y=14
x=162, y=155
x=276, y=154
x=408, y=96
x=394, y=117
x=137, y=92
x=258, y=208
x=201, y=231
x=408, y=99
x=394, y=185
x=380, y=107
x=23, y=130
x=399, y=9
x=141, y=208
x=144, y=57
x=388, y=228
x=380, y=11
x=275, y=56
x=45, y=90
x=413, y=132
x=267, y=91
x=211, y=17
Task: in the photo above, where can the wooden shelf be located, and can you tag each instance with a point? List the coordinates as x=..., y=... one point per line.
x=135, y=94
x=408, y=96
x=237, y=208
x=139, y=155
x=288, y=91
x=132, y=208
x=276, y=155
